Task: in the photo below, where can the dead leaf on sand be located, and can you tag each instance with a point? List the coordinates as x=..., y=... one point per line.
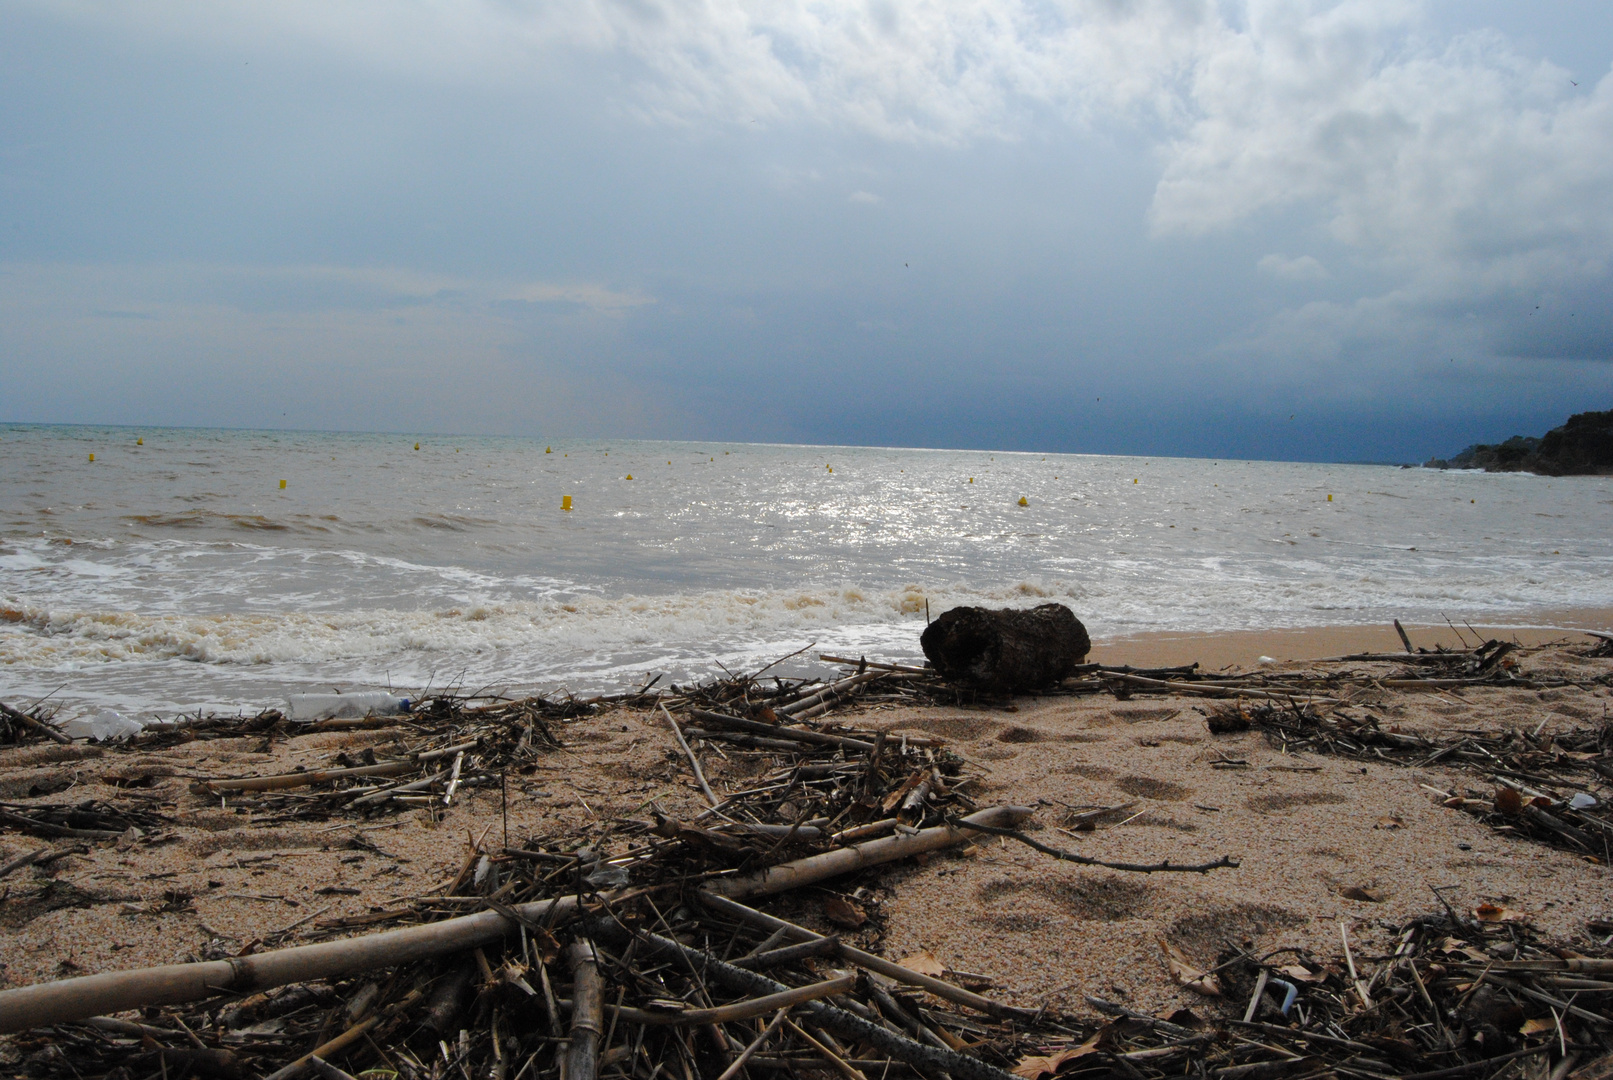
x=843, y=912
x=1038, y=1066
x=1508, y=801
x=1390, y=821
x=1538, y=1026
x=925, y=963
x=1497, y=913
x=1361, y=893
x=1185, y=972
x=1300, y=973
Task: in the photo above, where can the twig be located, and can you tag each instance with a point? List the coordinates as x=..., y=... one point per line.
x=694, y=762
x=755, y=1044
x=1166, y=867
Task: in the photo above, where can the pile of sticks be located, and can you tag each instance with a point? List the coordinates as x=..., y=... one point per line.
x=1552, y=788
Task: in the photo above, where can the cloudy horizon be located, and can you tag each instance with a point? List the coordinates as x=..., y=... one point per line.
x=1361, y=230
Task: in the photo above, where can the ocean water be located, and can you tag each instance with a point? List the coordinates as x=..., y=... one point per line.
x=178, y=574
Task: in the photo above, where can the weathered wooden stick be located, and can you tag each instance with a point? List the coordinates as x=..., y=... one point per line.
x=755, y=1044
x=828, y=946
x=327, y=1070
x=300, y=779
x=22, y=821
x=344, y=1040
x=777, y=731
x=1213, y=690
x=694, y=762
x=904, y=668
x=396, y=789
x=587, y=1013
x=827, y=695
x=957, y=994
x=42, y=856
x=114, y=991
x=814, y=868
x=34, y=725
x=727, y=1014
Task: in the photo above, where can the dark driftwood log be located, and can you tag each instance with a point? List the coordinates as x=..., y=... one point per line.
x=1008, y=649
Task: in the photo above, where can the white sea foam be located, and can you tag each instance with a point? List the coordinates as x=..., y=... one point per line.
x=179, y=572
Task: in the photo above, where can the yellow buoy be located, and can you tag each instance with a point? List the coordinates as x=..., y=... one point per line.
x=830, y=468
x=548, y=449
x=1024, y=501
x=1134, y=481
x=565, y=502
x=140, y=442
x=92, y=457
x=1330, y=498
x=971, y=479
x=417, y=446
x=630, y=476
x=669, y=463
x=282, y=485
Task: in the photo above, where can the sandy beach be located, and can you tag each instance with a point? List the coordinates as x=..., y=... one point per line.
x=1309, y=831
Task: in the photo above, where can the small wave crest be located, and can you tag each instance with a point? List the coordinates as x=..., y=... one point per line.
x=559, y=634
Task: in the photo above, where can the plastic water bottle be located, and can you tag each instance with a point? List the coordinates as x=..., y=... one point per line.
x=306, y=707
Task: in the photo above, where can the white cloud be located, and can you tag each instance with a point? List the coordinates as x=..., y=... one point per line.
x=1458, y=167
x=1303, y=268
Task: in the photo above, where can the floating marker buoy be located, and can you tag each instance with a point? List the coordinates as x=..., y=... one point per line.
x=669, y=463
x=282, y=485
x=829, y=467
x=1024, y=501
x=140, y=442
x=417, y=446
x=548, y=449
x=92, y=457
x=630, y=476
x=1330, y=498
x=971, y=479
x=565, y=502
x=1134, y=481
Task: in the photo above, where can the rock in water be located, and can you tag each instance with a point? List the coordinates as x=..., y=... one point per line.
x=1008, y=649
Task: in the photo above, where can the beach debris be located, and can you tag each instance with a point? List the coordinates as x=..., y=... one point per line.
x=305, y=707
x=634, y=935
x=1188, y=974
x=1006, y=649
x=108, y=725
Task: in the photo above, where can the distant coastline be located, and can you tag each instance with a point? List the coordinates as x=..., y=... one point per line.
x=1581, y=447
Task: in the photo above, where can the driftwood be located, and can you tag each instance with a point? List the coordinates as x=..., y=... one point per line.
x=838, y=1022
x=792, y=875
x=94, y=995
x=114, y=991
x=1006, y=650
x=587, y=1013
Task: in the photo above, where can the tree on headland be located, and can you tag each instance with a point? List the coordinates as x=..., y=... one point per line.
x=1581, y=447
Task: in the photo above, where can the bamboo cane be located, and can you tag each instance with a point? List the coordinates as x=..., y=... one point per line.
x=587, y=1013
x=791, y=875
x=114, y=991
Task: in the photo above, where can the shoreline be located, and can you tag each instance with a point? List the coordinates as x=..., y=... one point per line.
x=1217, y=650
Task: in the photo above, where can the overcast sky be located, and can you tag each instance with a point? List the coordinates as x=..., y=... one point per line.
x=1367, y=230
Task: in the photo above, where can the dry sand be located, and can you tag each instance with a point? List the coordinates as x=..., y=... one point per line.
x=1304, y=827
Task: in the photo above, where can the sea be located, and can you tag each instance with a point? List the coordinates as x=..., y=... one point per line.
x=161, y=571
